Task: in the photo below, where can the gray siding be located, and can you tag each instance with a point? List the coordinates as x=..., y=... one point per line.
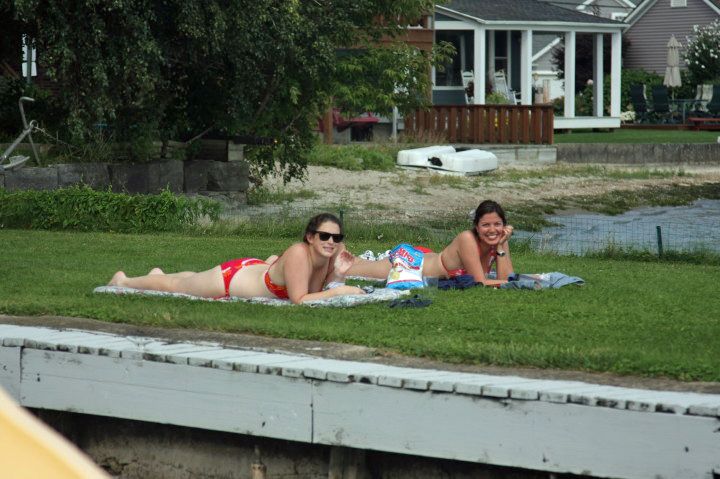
x=648, y=37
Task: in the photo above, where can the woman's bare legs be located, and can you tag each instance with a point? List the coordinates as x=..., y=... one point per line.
x=370, y=269
x=208, y=283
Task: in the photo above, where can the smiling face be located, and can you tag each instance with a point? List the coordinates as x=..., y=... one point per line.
x=490, y=228
x=325, y=248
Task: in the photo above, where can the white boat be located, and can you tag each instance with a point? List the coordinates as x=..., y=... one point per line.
x=444, y=159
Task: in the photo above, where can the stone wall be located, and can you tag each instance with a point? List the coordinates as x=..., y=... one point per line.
x=224, y=181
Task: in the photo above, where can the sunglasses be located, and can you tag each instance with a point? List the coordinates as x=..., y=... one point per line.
x=338, y=238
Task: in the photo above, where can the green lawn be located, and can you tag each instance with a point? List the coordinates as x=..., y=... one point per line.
x=639, y=318
x=637, y=136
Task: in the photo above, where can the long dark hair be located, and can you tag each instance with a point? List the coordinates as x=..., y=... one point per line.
x=488, y=206
x=317, y=220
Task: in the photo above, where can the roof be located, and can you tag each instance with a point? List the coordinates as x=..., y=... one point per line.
x=648, y=4
x=522, y=11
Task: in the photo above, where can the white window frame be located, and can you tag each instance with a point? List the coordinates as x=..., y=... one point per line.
x=31, y=54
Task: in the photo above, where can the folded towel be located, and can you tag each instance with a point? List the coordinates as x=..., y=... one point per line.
x=525, y=281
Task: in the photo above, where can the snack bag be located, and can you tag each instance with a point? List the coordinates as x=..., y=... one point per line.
x=407, y=265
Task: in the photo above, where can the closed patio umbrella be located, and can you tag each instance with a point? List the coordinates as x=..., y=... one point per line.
x=672, y=71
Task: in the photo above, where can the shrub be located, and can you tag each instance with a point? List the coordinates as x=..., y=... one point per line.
x=81, y=208
x=702, y=54
x=353, y=157
x=496, y=98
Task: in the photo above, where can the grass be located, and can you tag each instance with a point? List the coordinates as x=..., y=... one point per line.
x=624, y=135
x=645, y=318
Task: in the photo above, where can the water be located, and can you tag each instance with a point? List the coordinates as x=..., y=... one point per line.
x=682, y=228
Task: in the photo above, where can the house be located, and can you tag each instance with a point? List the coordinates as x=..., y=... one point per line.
x=655, y=21
x=493, y=36
x=544, y=44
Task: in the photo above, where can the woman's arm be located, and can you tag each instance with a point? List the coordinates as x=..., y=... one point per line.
x=504, y=265
x=339, y=267
x=470, y=256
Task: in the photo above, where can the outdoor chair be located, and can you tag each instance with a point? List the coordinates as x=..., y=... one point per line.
x=713, y=105
x=661, y=103
x=639, y=101
x=703, y=93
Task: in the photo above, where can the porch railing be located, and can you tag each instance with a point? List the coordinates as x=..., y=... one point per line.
x=496, y=124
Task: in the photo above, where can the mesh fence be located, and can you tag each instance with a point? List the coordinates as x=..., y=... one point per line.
x=579, y=236
x=571, y=235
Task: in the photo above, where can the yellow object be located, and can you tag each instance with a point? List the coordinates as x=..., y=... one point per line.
x=29, y=449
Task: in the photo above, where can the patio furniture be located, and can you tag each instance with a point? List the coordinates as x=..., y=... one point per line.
x=661, y=103
x=703, y=94
x=639, y=101
x=713, y=105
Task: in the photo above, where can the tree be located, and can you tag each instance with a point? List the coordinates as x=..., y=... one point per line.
x=702, y=54
x=171, y=69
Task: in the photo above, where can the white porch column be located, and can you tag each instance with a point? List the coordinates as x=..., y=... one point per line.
x=615, y=74
x=491, y=53
x=569, y=75
x=480, y=67
x=598, y=68
x=526, y=67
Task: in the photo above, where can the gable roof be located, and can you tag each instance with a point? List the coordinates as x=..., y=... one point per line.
x=647, y=4
x=526, y=11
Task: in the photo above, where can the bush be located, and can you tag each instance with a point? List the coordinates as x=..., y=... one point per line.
x=81, y=208
x=496, y=98
x=702, y=54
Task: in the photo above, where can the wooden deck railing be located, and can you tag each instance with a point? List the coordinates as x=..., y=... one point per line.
x=519, y=124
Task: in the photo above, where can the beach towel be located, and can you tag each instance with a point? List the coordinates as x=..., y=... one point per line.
x=378, y=295
x=552, y=280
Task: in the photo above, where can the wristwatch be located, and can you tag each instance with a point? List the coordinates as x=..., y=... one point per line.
x=501, y=253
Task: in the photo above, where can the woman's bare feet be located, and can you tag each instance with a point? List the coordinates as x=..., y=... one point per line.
x=117, y=279
x=156, y=271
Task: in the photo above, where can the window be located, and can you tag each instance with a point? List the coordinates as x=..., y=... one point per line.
x=29, y=57
x=678, y=3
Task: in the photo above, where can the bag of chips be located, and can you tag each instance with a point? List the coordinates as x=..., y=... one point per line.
x=407, y=265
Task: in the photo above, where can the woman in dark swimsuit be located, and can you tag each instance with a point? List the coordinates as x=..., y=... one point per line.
x=471, y=252
x=300, y=273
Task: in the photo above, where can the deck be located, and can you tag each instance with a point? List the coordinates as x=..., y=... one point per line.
x=546, y=425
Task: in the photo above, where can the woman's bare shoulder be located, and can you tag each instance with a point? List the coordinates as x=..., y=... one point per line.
x=465, y=237
x=295, y=250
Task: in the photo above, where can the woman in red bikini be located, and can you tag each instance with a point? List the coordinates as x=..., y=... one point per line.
x=300, y=273
x=471, y=252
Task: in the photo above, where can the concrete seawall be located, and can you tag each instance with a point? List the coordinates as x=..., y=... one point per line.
x=639, y=153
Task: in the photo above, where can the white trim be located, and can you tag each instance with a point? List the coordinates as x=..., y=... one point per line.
x=480, y=66
x=524, y=25
x=615, y=74
x=598, y=76
x=638, y=13
x=546, y=49
x=526, y=67
x=569, y=106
